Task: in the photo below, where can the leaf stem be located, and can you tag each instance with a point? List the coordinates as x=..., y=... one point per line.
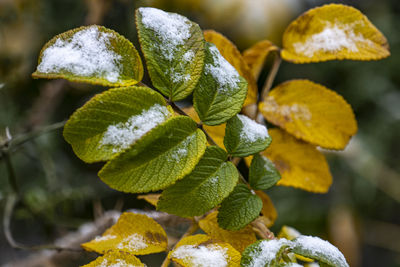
x=271, y=76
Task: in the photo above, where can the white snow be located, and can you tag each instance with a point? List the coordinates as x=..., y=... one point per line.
x=222, y=71
x=181, y=150
x=251, y=130
x=267, y=252
x=123, y=134
x=133, y=242
x=178, y=77
x=332, y=38
x=203, y=256
x=85, y=54
x=296, y=110
x=171, y=29
x=321, y=248
x=118, y=263
x=188, y=56
x=103, y=238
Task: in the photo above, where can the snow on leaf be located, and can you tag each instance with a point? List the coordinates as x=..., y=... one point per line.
x=116, y=259
x=133, y=233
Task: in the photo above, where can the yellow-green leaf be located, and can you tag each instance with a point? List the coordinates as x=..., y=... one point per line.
x=221, y=91
x=268, y=210
x=159, y=159
x=133, y=233
x=300, y=164
x=332, y=32
x=91, y=54
x=256, y=55
x=173, y=47
x=150, y=198
x=230, y=52
x=117, y=259
x=311, y=112
x=112, y=121
x=238, y=239
x=202, y=250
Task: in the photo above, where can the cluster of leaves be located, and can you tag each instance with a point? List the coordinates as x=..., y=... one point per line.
x=150, y=144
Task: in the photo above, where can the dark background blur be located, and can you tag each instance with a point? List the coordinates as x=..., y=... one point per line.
x=361, y=212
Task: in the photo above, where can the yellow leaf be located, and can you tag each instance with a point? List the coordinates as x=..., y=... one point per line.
x=256, y=55
x=301, y=165
x=150, y=198
x=268, y=210
x=116, y=258
x=238, y=239
x=230, y=52
x=217, y=132
x=310, y=112
x=332, y=32
x=202, y=250
x=133, y=233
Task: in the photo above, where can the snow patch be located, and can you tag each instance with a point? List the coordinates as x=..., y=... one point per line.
x=266, y=252
x=332, y=38
x=118, y=263
x=87, y=53
x=123, y=134
x=133, y=242
x=223, y=72
x=171, y=29
x=251, y=130
x=104, y=238
x=320, y=248
x=296, y=111
x=202, y=256
x=188, y=56
x=181, y=150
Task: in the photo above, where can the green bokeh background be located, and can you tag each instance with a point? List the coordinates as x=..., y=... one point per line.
x=361, y=212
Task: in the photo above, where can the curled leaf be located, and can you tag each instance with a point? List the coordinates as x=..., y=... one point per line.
x=133, y=233
x=332, y=32
x=310, y=112
x=300, y=164
x=91, y=54
x=230, y=52
x=256, y=55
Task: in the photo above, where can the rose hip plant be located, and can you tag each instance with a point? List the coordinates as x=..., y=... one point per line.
x=189, y=155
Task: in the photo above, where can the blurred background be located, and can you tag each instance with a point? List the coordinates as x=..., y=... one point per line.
x=361, y=212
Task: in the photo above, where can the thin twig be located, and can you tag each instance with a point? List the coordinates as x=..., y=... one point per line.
x=271, y=76
x=192, y=229
x=11, y=202
x=22, y=138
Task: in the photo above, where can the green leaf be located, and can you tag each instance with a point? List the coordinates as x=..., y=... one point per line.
x=160, y=158
x=262, y=173
x=113, y=120
x=221, y=91
x=244, y=137
x=240, y=208
x=91, y=54
x=264, y=253
x=204, y=188
x=318, y=249
x=173, y=47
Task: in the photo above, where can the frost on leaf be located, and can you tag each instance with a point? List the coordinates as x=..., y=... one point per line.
x=321, y=250
x=91, y=54
x=244, y=136
x=222, y=71
x=251, y=130
x=116, y=259
x=202, y=251
x=172, y=30
x=120, y=136
x=332, y=32
x=133, y=233
x=202, y=256
x=264, y=253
